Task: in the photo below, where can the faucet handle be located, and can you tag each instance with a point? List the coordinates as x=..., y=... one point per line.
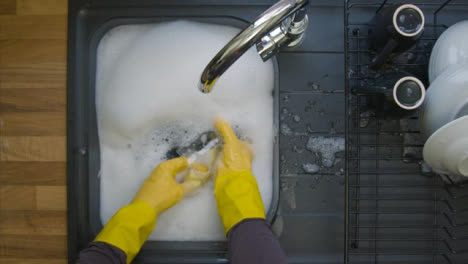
x=290, y=33
x=270, y=43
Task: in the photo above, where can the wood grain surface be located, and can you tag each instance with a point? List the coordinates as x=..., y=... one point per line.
x=33, y=224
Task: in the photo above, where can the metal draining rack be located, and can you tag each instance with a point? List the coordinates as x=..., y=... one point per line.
x=396, y=210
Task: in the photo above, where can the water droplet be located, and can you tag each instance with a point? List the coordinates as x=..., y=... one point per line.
x=286, y=130
x=285, y=110
x=297, y=119
x=311, y=168
x=313, y=85
x=82, y=151
x=298, y=149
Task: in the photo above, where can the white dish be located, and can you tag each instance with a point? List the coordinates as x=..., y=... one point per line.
x=446, y=151
x=446, y=100
x=450, y=49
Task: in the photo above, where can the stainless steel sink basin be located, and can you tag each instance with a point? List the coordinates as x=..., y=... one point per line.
x=307, y=212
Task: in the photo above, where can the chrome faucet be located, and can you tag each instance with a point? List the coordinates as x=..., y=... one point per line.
x=283, y=24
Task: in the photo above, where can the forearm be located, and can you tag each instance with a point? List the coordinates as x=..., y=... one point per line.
x=129, y=228
x=101, y=253
x=252, y=241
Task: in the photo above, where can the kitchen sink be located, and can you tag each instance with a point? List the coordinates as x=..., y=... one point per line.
x=308, y=208
x=153, y=251
x=374, y=202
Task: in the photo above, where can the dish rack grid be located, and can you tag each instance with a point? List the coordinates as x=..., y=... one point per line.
x=397, y=211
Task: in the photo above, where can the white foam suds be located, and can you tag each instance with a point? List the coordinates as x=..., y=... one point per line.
x=311, y=168
x=327, y=147
x=148, y=102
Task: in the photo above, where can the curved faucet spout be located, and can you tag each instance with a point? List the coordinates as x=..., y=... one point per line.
x=282, y=24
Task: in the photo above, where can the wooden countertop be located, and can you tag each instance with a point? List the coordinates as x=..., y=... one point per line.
x=33, y=39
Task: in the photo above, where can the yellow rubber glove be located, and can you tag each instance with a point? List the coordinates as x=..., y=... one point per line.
x=161, y=191
x=236, y=191
x=129, y=228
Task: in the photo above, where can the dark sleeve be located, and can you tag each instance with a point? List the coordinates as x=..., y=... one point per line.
x=101, y=253
x=252, y=241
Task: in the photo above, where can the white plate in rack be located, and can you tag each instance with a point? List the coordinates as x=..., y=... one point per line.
x=451, y=48
x=446, y=100
x=446, y=151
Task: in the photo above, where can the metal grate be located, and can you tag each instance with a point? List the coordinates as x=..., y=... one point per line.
x=396, y=210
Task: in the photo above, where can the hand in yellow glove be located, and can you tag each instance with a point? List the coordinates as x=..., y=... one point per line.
x=236, y=191
x=129, y=228
x=161, y=191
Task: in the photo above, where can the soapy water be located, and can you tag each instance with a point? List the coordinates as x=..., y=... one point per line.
x=311, y=168
x=327, y=147
x=286, y=130
x=148, y=102
x=297, y=119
